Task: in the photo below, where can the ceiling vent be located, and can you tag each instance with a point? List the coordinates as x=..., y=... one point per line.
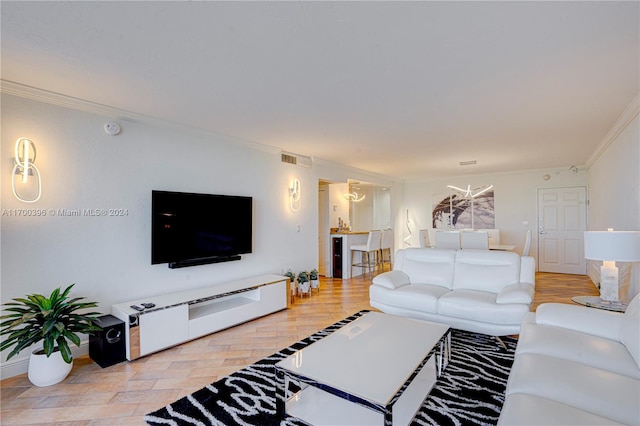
x=468, y=163
x=295, y=159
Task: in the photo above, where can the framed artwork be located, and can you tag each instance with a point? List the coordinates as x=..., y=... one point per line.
x=455, y=211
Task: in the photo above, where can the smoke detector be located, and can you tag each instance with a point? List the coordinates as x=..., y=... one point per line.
x=112, y=128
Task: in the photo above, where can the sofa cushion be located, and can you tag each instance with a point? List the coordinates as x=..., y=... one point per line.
x=590, y=389
x=486, y=270
x=630, y=329
x=575, y=346
x=392, y=279
x=427, y=266
x=516, y=293
x=521, y=409
x=480, y=306
x=422, y=297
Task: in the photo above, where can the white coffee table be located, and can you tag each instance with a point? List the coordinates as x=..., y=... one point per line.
x=377, y=369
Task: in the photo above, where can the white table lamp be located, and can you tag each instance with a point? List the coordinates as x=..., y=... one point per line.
x=611, y=246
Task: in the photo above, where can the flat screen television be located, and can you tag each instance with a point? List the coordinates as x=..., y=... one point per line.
x=194, y=229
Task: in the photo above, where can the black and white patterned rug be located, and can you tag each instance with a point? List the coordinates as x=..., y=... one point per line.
x=470, y=391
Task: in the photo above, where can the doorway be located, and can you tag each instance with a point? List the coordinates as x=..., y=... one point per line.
x=562, y=220
x=361, y=205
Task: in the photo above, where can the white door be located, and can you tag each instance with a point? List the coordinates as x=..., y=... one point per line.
x=562, y=216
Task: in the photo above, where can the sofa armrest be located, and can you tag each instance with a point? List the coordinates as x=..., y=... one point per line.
x=392, y=279
x=516, y=293
x=596, y=322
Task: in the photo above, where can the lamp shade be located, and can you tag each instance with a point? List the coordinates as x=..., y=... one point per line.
x=621, y=246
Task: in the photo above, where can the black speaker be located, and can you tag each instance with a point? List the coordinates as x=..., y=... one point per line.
x=107, y=347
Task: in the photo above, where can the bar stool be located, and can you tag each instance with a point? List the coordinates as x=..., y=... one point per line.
x=366, y=250
x=386, y=244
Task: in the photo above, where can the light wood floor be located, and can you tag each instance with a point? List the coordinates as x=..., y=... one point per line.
x=123, y=393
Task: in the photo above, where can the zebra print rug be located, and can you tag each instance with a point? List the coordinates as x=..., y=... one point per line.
x=470, y=391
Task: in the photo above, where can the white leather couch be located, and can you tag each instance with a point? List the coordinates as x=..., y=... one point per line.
x=576, y=366
x=481, y=291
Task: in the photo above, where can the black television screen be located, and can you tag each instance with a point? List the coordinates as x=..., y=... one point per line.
x=191, y=229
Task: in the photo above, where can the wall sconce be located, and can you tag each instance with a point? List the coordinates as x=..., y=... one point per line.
x=354, y=197
x=25, y=158
x=294, y=195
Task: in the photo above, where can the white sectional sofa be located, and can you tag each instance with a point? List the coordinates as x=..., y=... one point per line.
x=480, y=291
x=576, y=366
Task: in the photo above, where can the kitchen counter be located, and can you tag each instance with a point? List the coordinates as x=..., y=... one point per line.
x=351, y=233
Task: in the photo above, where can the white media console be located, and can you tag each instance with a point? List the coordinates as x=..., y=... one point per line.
x=182, y=316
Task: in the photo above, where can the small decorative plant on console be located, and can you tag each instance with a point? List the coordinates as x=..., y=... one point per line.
x=303, y=282
x=315, y=281
x=53, y=320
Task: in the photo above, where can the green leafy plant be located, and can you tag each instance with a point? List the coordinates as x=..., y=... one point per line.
x=290, y=275
x=313, y=274
x=52, y=319
x=303, y=277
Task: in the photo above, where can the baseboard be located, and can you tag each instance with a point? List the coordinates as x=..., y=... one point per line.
x=15, y=367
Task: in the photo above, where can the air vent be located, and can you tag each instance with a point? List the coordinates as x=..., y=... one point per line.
x=299, y=160
x=287, y=158
x=468, y=163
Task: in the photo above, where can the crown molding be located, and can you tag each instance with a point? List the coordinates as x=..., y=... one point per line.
x=53, y=98
x=629, y=113
x=58, y=99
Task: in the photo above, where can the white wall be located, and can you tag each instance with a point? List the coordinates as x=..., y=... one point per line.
x=515, y=202
x=614, y=182
x=361, y=212
x=381, y=209
x=338, y=205
x=373, y=212
x=109, y=257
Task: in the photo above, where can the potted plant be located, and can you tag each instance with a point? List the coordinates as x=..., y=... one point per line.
x=313, y=277
x=303, y=282
x=292, y=277
x=54, y=320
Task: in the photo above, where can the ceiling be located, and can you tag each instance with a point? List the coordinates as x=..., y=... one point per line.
x=403, y=89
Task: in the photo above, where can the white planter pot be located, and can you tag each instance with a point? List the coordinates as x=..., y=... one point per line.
x=315, y=283
x=45, y=371
x=303, y=287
